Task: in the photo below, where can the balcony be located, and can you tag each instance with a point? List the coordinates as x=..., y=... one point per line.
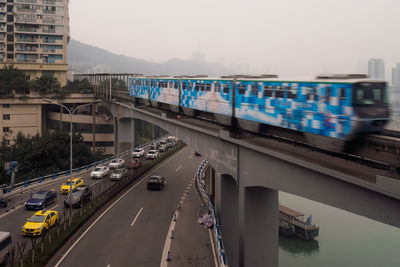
x=26, y=40
x=26, y=29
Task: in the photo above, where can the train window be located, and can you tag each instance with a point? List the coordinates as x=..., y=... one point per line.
x=279, y=93
x=202, y=87
x=226, y=88
x=176, y=85
x=197, y=87
x=342, y=93
x=328, y=92
x=208, y=87
x=254, y=89
x=190, y=86
x=152, y=83
x=217, y=87
x=242, y=89
x=377, y=94
x=267, y=91
x=311, y=94
x=291, y=92
x=184, y=85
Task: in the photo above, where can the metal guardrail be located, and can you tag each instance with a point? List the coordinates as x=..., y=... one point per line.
x=216, y=229
x=6, y=189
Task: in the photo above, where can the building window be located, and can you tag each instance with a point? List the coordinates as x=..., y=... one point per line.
x=6, y=129
x=6, y=142
x=6, y=105
x=6, y=117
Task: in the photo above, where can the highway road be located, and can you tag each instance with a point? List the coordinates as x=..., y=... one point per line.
x=133, y=230
x=13, y=220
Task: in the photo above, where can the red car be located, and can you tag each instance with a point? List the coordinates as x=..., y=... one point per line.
x=134, y=164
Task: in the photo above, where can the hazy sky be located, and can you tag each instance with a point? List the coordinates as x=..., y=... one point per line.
x=292, y=37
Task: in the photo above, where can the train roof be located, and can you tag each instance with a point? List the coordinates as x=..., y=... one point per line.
x=324, y=78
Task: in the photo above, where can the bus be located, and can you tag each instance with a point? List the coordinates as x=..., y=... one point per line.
x=5, y=244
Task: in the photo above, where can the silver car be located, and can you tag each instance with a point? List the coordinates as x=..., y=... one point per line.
x=116, y=163
x=99, y=172
x=118, y=174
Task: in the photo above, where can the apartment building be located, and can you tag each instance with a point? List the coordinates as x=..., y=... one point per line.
x=34, y=35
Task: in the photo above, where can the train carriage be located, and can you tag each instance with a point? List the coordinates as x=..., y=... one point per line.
x=164, y=93
x=324, y=110
x=139, y=89
x=209, y=98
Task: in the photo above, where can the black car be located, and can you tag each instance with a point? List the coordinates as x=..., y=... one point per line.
x=40, y=199
x=3, y=202
x=80, y=196
x=156, y=183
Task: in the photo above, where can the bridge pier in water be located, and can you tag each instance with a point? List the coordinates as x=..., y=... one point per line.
x=249, y=218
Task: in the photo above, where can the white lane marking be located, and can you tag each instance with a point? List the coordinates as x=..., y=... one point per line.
x=11, y=211
x=112, y=205
x=177, y=169
x=137, y=215
x=167, y=244
x=54, y=207
x=191, y=156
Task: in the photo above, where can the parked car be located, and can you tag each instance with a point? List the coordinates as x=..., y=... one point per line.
x=138, y=152
x=79, y=197
x=163, y=148
x=99, y=172
x=41, y=221
x=134, y=164
x=152, y=154
x=156, y=182
x=41, y=199
x=118, y=174
x=75, y=183
x=116, y=163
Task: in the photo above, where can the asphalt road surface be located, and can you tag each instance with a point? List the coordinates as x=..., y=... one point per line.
x=132, y=232
x=13, y=220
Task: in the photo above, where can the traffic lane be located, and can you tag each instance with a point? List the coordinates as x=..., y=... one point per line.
x=114, y=241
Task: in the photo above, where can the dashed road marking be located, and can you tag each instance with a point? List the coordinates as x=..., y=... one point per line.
x=177, y=169
x=137, y=215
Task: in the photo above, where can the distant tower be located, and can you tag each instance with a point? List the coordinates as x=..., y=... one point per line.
x=376, y=68
x=198, y=56
x=396, y=76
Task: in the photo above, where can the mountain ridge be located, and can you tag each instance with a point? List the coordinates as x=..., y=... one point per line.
x=84, y=58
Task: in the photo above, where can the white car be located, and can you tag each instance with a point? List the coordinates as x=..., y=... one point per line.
x=138, y=152
x=99, y=172
x=152, y=154
x=116, y=163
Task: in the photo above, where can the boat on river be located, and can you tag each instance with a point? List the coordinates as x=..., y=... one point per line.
x=293, y=223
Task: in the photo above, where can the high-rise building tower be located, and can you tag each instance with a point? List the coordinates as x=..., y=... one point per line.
x=34, y=36
x=376, y=68
x=396, y=76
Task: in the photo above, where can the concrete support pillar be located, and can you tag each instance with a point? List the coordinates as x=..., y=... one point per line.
x=261, y=227
x=228, y=213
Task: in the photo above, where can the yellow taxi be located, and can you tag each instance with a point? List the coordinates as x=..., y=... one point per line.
x=39, y=222
x=75, y=183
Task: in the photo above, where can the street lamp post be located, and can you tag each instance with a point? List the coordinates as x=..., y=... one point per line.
x=71, y=112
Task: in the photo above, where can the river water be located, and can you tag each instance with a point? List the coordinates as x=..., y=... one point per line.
x=345, y=239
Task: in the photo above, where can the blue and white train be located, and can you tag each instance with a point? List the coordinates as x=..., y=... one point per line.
x=329, y=110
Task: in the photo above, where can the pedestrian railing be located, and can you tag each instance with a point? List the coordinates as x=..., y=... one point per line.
x=219, y=245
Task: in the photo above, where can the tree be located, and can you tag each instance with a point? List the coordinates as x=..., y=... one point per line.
x=44, y=155
x=13, y=80
x=48, y=84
